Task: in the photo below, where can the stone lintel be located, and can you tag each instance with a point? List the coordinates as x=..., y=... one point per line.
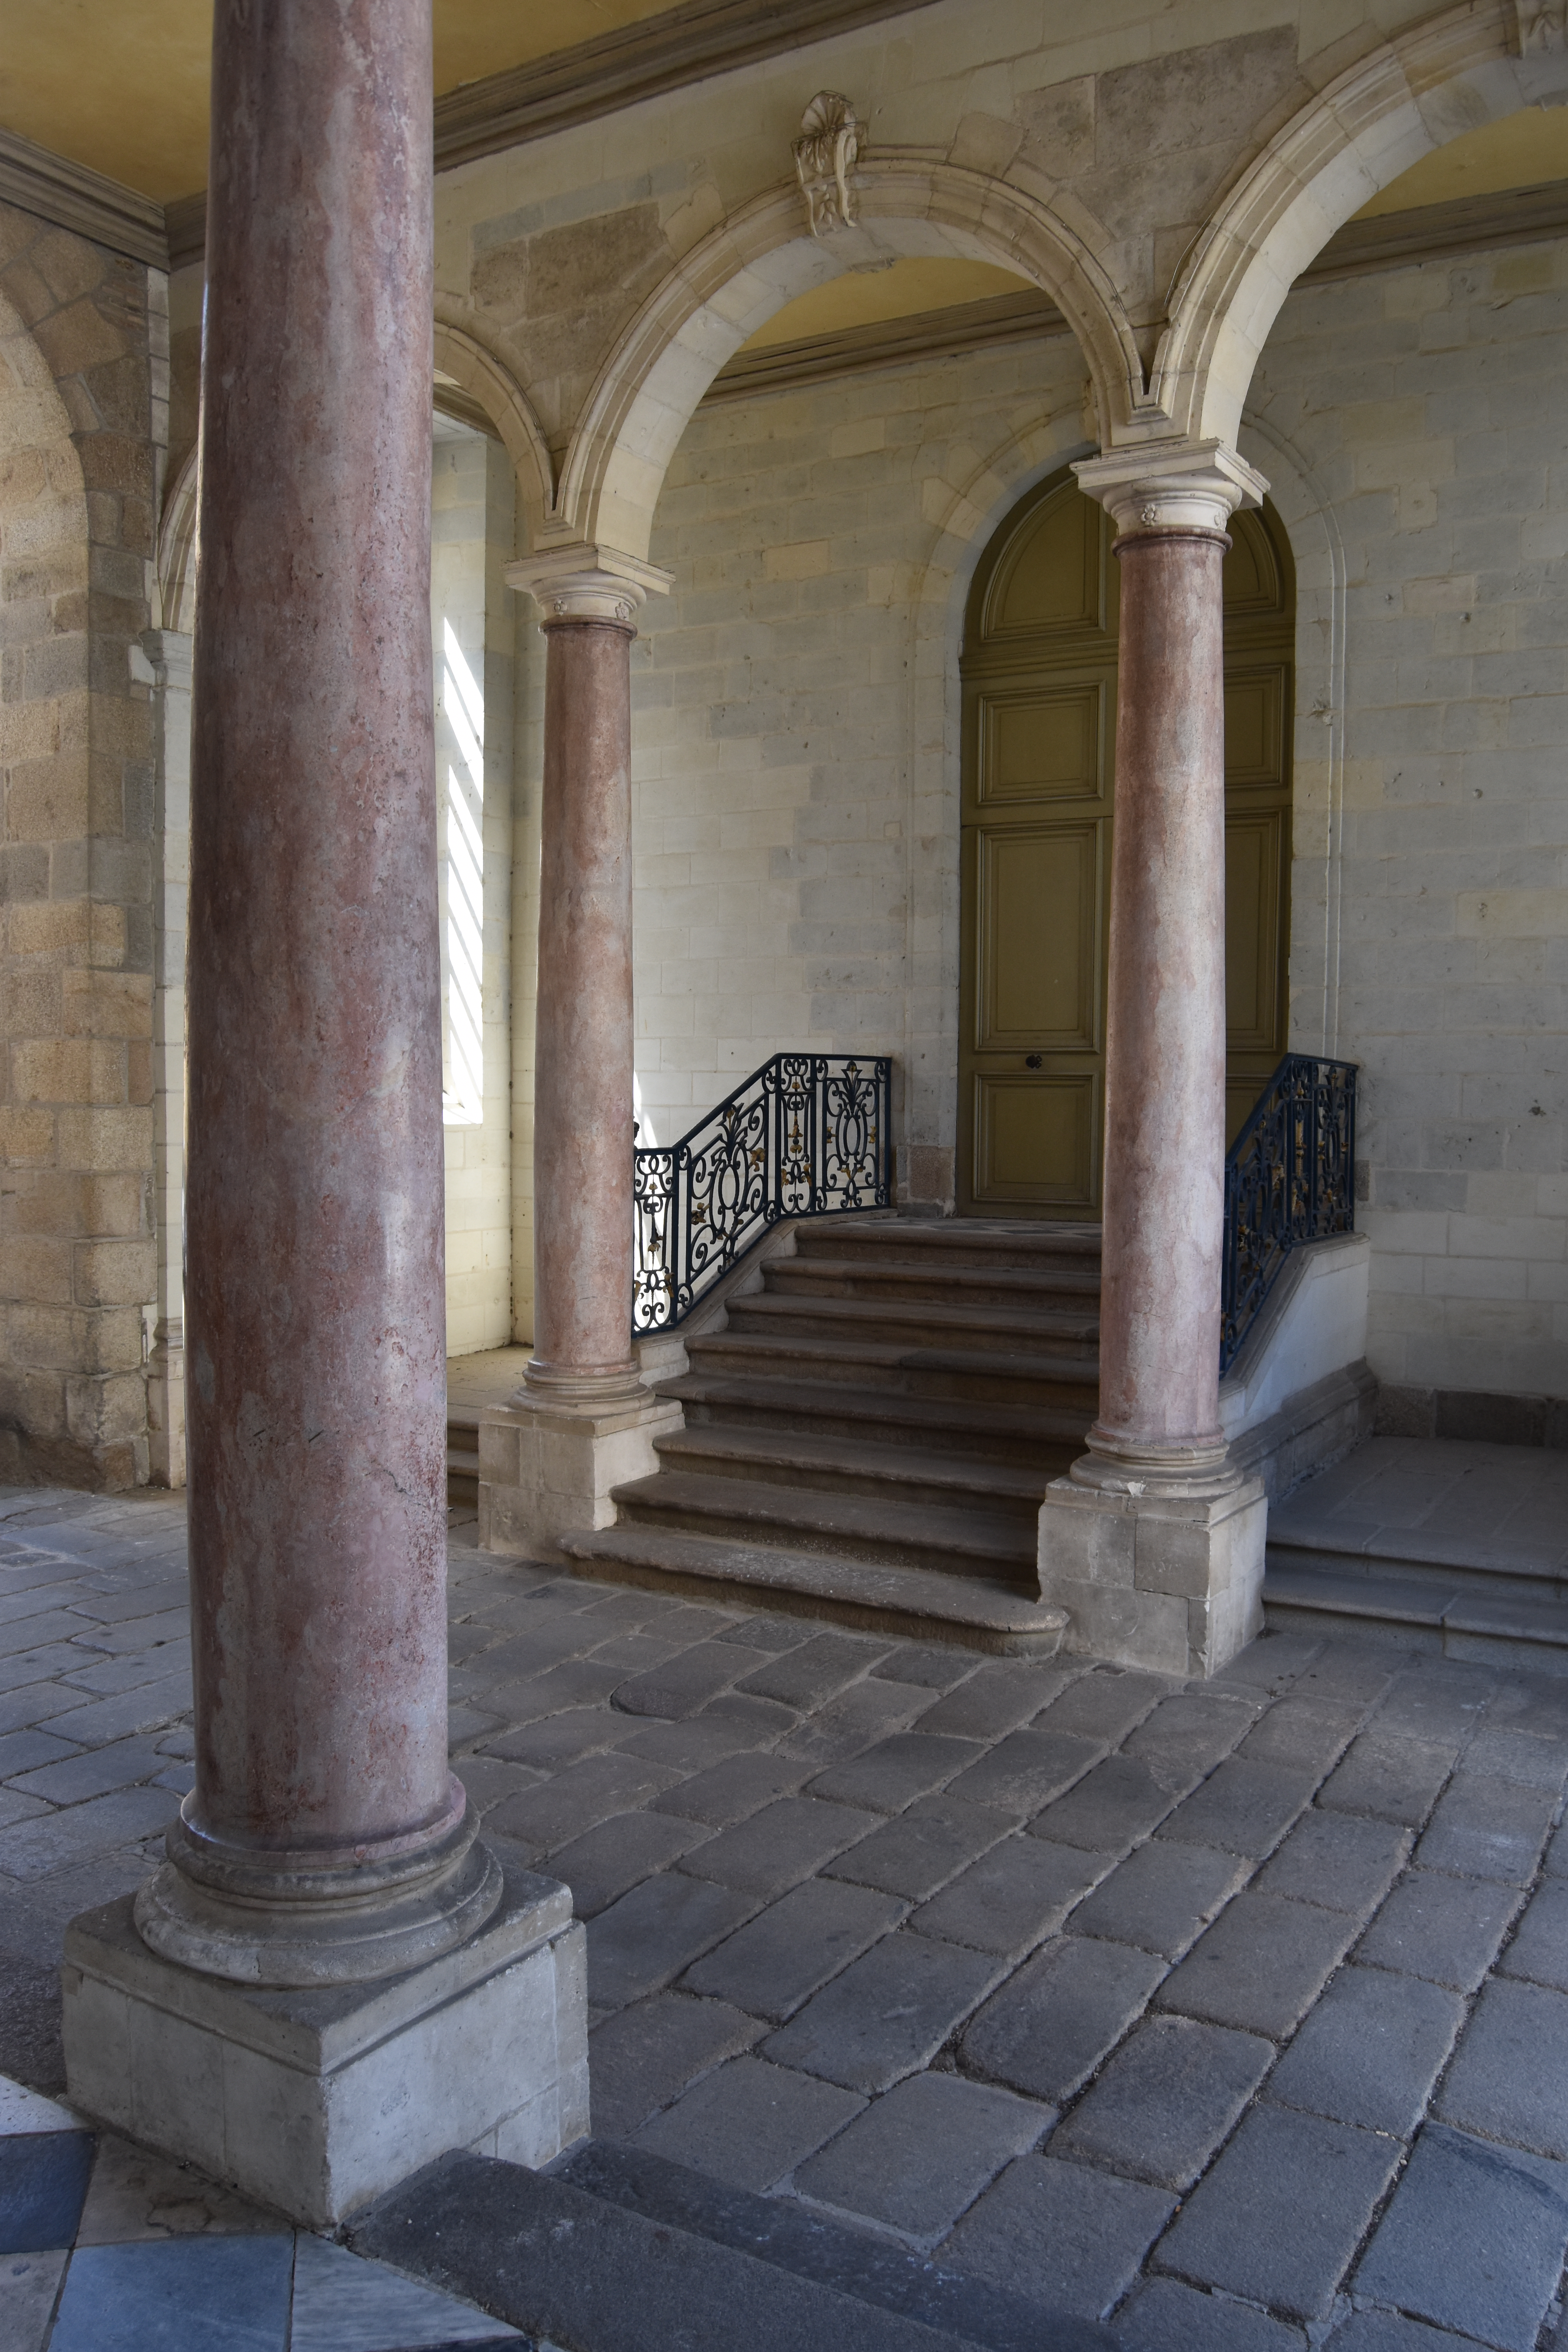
x=1169, y=1582
x=317, y=2102
x=547, y=1468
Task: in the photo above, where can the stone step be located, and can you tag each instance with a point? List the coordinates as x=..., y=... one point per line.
x=974, y=1611
x=462, y=1457
x=1053, y=1438
x=617, y=2251
x=847, y=1465
x=872, y=1278
x=951, y=1541
x=1050, y=1333
x=1435, y=1611
x=967, y=1376
x=1314, y=1545
x=954, y=1241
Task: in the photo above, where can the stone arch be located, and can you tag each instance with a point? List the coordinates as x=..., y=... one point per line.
x=760, y=258
x=177, y=551
x=1412, y=94
x=462, y=353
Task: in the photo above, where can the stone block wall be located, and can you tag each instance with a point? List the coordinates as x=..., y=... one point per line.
x=83, y=422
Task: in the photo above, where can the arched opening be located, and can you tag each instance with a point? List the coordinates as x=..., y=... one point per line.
x=1039, y=671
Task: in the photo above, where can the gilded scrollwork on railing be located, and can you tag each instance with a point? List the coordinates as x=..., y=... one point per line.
x=808, y=1135
x=1289, y=1177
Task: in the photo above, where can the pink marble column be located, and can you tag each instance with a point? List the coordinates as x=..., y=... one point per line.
x=325, y=1840
x=583, y=1045
x=1165, y=1127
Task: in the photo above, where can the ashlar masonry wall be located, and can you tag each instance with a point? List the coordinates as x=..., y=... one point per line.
x=796, y=757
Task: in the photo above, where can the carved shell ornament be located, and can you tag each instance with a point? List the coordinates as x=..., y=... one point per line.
x=1543, y=26
x=825, y=155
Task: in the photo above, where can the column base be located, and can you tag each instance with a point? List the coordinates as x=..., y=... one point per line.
x=1169, y=1580
x=317, y=2102
x=546, y=1469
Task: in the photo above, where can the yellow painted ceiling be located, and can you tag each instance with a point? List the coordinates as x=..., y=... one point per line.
x=122, y=84
x=864, y=297
x=1520, y=151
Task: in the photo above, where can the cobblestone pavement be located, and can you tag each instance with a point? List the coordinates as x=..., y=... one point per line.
x=1235, y=2012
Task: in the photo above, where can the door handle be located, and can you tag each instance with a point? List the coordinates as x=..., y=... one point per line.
x=1034, y=1061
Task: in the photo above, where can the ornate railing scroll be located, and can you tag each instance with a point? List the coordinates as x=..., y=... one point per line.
x=1289, y=1177
x=808, y=1135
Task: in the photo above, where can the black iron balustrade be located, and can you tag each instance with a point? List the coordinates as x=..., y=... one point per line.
x=808, y=1135
x=1289, y=1177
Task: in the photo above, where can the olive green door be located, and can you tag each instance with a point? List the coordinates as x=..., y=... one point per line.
x=1039, y=706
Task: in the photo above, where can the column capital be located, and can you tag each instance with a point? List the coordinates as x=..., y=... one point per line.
x=580, y=582
x=168, y=651
x=1175, y=485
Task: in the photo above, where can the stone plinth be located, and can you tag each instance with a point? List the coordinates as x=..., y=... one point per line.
x=546, y=1470
x=1167, y=1582
x=316, y=2102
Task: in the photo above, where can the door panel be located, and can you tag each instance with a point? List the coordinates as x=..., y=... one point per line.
x=1039, y=700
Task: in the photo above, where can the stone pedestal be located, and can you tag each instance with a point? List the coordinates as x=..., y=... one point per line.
x=316, y=2102
x=546, y=1470
x=1154, y=1541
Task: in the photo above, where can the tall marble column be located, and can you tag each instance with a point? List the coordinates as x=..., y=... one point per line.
x=584, y=1422
x=326, y=1853
x=167, y=653
x=1154, y=1542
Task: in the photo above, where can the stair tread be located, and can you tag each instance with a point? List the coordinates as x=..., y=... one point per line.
x=978, y=1534
x=1045, y=1423
x=771, y=1347
x=921, y=1314
x=1412, y=1601
x=949, y=1233
x=920, y=1594
x=1417, y=1547
x=901, y=1465
x=962, y=1278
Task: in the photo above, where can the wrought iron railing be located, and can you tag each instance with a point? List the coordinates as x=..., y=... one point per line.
x=1288, y=1178
x=808, y=1135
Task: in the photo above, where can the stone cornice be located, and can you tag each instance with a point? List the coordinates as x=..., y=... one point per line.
x=1465, y=224
x=54, y=189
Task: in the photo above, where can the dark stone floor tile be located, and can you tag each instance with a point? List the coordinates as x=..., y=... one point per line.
x=781, y=1958
x=804, y=1676
x=1340, y=1861
x=728, y=1792
x=1274, y=1663
x=1026, y=1770
x=995, y=1699
x=1165, y=2102
x=749, y=2123
x=779, y=1846
x=1498, y=1753
x=545, y=1817
x=1280, y=2216
x=867, y=1711
x=616, y=1855
x=888, y=2014
x=1004, y=1903
x=935, y=1665
x=646, y=1938
x=760, y=1720
x=1047, y=2029
x=897, y=1770
x=770, y=1634
x=1241, y=1808
x=919, y=1851
x=694, y=1746
x=1261, y=1965
x=1191, y=1732
x=1070, y=2239
x=1487, y=1828
x=557, y=1739
x=1509, y=2080
x=43, y=2187
x=1114, y=1805
x=1445, y=1929
x=1392, y=1779
x=1105, y=1704
x=1539, y=1950
x=642, y=2058
x=1473, y=2240
x=1385, y=2331
x=1161, y=1897
x=488, y=1780
x=231, y=2295
x=920, y=2153
x=686, y=1681
x=1167, y=2316
x=1440, y=1698
x=1370, y=2051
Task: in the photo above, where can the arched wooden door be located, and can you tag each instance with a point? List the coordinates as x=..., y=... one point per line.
x=1038, y=785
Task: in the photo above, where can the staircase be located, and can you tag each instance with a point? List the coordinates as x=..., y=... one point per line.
x=869, y=1437
x=462, y=1457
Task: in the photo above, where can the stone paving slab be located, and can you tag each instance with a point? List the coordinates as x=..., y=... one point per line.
x=987, y=1958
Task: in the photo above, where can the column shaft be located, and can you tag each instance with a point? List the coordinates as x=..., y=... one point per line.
x=1164, y=1128
x=583, y=1050
x=314, y=1297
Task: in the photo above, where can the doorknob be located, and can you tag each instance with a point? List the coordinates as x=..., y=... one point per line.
x=1034, y=1061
